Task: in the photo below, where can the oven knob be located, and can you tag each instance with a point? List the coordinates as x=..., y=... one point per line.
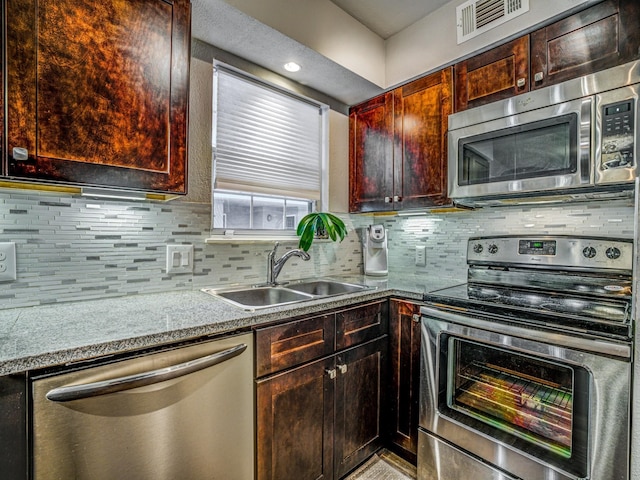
x=493, y=248
x=477, y=248
x=589, y=252
x=613, y=253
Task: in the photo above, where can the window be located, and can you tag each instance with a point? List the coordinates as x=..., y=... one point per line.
x=269, y=151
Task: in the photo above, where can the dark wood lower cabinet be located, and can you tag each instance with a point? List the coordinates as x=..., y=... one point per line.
x=404, y=377
x=295, y=424
x=359, y=394
x=322, y=419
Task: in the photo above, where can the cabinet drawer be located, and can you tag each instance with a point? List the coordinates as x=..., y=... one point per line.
x=284, y=346
x=360, y=324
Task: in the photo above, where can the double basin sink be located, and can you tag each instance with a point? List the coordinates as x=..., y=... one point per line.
x=251, y=298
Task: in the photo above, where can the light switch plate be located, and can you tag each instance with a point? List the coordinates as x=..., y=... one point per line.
x=7, y=262
x=421, y=255
x=179, y=258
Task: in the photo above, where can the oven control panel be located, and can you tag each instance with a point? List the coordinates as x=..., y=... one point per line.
x=583, y=253
x=537, y=247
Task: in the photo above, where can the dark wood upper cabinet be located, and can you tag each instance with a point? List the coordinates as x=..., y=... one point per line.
x=499, y=73
x=398, y=149
x=371, y=155
x=421, y=110
x=97, y=92
x=602, y=36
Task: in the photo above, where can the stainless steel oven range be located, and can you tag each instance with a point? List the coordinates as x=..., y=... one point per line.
x=526, y=368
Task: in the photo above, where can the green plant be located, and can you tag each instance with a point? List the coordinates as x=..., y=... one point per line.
x=317, y=223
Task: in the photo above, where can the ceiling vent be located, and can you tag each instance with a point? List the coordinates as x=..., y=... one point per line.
x=477, y=16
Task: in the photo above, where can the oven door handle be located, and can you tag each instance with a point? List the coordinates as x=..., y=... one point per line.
x=593, y=345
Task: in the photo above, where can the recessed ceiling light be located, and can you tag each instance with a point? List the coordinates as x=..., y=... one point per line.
x=291, y=67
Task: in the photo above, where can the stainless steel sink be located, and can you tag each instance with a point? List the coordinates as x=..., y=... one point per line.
x=259, y=297
x=325, y=288
x=253, y=298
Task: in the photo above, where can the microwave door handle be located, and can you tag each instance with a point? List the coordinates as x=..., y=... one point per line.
x=95, y=389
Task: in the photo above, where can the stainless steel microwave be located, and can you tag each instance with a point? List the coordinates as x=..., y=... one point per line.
x=573, y=140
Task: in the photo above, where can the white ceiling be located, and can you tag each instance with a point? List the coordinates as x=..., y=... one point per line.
x=218, y=23
x=388, y=17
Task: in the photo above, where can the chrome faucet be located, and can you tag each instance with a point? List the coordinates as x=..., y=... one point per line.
x=275, y=266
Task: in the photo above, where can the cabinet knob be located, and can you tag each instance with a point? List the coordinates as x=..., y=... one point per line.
x=20, y=153
x=342, y=368
x=521, y=82
x=397, y=198
x=416, y=317
x=387, y=199
x=331, y=372
x=538, y=77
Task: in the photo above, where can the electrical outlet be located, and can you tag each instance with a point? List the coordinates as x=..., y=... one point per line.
x=179, y=258
x=7, y=262
x=421, y=256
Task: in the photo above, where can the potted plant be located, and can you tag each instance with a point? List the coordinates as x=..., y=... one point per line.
x=319, y=223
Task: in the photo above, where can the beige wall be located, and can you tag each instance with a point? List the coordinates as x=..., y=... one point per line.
x=199, y=172
x=338, y=162
x=325, y=28
x=431, y=42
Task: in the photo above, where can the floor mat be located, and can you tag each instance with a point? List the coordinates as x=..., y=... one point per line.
x=384, y=466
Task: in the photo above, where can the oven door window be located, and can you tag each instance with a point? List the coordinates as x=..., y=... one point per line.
x=537, y=149
x=535, y=405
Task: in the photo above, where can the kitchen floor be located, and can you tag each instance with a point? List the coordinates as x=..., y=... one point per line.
x=384, y=466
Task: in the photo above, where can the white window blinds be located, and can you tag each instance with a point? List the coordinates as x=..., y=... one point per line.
x=264, y=140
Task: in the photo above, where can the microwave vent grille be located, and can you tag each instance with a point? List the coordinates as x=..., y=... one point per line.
x=477, y=16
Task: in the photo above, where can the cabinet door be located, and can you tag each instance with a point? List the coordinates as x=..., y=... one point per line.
x=597, y=38
x=404, y=376
x=360, y=324
x=371, y=155
x=360, y=384
x=295, y=424
x=294, y=343
x=97, y=92
x=493, y=75
x=421, y=109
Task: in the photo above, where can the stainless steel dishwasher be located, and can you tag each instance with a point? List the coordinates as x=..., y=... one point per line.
x=186, y=413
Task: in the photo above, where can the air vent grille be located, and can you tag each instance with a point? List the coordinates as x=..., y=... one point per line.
x=487, y=11
x=477, y=16
x=468, y=19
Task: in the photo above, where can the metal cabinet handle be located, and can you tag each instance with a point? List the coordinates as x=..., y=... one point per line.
x=95, y=389
x=387, y=199
x=397, y=198
x=342, y=368
x=521, y=82
x=538, y=76
x=331, y=372
x=20, y=153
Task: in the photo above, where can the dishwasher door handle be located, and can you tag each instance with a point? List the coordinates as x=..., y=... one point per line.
x=95, y=389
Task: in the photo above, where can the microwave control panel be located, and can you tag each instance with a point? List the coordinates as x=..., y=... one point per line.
x=618, y=134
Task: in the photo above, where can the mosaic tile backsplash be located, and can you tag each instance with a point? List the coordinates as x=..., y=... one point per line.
x=72, y=248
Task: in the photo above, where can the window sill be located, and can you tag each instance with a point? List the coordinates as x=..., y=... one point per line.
x=243, y=240
x=221, y=239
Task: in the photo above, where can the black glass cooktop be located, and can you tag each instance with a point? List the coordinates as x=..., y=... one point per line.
x=565, y=311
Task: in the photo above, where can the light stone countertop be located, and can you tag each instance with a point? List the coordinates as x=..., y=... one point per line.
x=51, y=335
